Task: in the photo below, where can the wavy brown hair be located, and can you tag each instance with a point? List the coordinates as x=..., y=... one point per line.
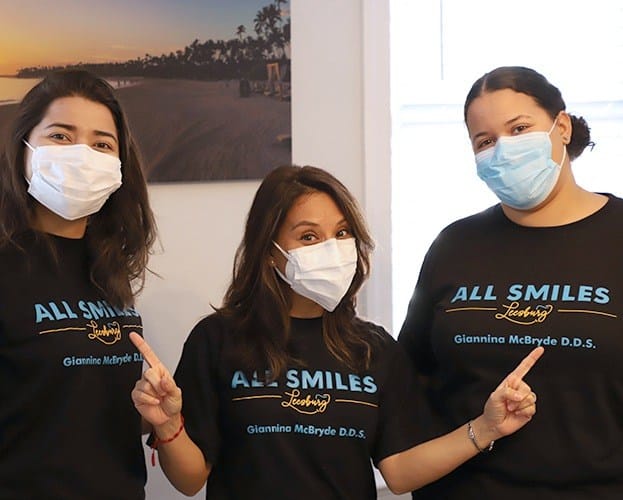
x=257, y=301
x=120, y=236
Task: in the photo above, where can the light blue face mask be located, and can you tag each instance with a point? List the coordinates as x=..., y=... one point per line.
x=519, y=169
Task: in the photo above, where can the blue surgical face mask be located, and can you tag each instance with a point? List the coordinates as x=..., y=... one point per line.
x=519, y=169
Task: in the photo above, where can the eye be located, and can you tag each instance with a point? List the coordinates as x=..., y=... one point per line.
x=484, y=144
x=518, y=129
x=343, y=233
x=309, y=237
x=59, y=137
x=103, y=146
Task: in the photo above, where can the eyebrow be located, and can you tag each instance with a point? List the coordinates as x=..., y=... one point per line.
x=73, y=128
x=312, y=224
x=303, y=223
x=506, y=123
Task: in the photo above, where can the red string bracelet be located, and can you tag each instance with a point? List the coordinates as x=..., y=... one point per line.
x=158, y=441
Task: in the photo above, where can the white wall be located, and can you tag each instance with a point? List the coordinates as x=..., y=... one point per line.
x=200, y=225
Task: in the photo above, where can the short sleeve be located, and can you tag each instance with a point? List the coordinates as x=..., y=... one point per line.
x=416, y=339
x=398, y=405
x=196, y=376
x=414, y=334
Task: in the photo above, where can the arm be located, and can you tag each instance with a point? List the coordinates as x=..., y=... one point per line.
x=415, y=338
x=509, y=408
x=181, y=459
x=159, y=401
x=414, y=334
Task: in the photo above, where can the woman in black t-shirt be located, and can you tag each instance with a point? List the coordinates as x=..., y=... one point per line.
x=542, y=267
x=75, y=232
x=287, y=393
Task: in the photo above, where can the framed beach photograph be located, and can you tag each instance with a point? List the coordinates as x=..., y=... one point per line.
x=205, y=84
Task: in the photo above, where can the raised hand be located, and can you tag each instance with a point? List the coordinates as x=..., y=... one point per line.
x=513, y=403
x=156, y=396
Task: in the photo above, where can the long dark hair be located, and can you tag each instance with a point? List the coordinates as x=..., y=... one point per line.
x=548, y=97
x=121, y=234
x=258, y=302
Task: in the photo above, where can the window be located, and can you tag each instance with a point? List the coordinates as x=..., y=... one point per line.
x=438, y=49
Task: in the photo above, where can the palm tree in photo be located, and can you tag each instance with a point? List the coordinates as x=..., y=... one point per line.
x=240, y=31
x=259, y=22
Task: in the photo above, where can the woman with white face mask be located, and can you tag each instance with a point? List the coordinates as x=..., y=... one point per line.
x=75, y=234
x=286, y=392
x=543, y=267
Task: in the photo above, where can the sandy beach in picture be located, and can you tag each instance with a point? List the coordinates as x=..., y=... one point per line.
x=198, y=131
x=195, y=131
x=206, y=85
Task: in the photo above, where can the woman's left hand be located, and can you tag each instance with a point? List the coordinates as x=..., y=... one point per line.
x=513, y=403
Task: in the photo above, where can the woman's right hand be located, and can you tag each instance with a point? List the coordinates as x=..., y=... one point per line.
x=156, y=396
x=159, y=400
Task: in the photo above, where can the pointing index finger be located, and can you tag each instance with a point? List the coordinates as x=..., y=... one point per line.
x=527, y=363
x=143, y=347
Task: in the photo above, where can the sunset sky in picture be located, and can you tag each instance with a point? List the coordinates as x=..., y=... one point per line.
x=61, y=32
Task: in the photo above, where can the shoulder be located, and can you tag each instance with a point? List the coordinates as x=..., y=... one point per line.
x=389, y=358
x=614, y=202
x=475, y=223
x=382, y=341
x=17, y=253
x=462, y=232
x=368, y=328
x=205, y=343
x=20, y=244
x=601, y=221
x=8, y=252
x=209, y=330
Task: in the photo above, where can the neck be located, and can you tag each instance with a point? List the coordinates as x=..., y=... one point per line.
x=568, y=203
x=302, y=307
x=48, y=222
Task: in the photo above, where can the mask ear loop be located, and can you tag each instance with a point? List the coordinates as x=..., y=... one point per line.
x=282, y=276
x=564, y=146
x=564, y=154
x=33, y=150
x=285, y=254
x=553, y=125
x=279, y=273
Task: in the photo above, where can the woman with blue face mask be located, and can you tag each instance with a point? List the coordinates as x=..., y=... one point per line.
x=75, y=234
x=286, y=392
x=540, y=268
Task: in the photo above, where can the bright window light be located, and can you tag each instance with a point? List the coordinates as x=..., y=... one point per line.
x=438, y=49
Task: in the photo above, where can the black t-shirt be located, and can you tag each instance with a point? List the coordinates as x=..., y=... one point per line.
x=311, y=433
x=490, y=291
x=68, y=429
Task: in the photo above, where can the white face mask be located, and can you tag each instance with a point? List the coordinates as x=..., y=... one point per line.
x=72, y=181
x=322, y=272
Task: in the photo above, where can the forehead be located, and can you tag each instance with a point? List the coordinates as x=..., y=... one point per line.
x=497, y=107
x=316, y=207
x=81, y=113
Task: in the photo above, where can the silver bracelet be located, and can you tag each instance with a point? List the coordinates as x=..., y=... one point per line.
x=472, y=438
